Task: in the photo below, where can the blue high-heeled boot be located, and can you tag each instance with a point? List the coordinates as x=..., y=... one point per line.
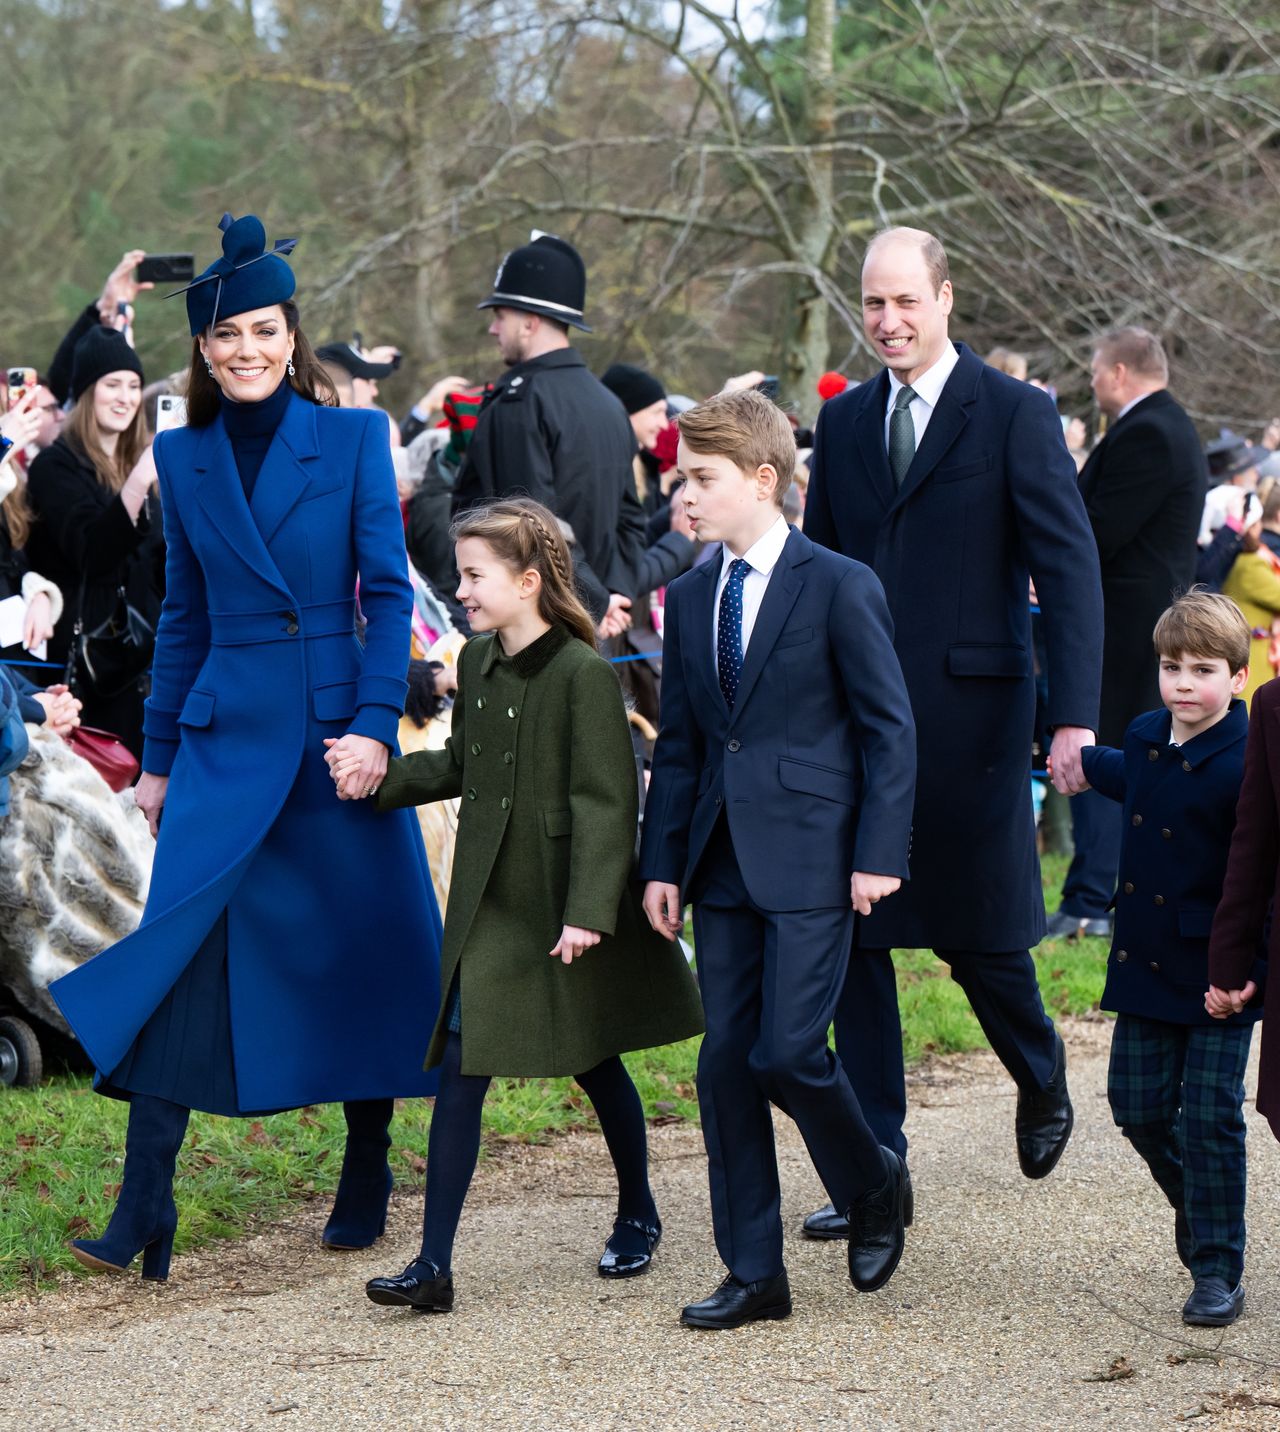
x=359, y=1216
x=145, y=1216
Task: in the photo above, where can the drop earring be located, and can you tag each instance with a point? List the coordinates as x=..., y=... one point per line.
x=290, y=369
x=209, y=366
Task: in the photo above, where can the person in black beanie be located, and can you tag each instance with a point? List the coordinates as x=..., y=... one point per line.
x=645, y=400
x=96, y=531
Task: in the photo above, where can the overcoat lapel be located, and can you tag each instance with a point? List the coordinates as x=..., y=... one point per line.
x=700, y=632
x=780, y=596
x=949, y=420
x=869, y=435
x=290, y=470
x=221, y=494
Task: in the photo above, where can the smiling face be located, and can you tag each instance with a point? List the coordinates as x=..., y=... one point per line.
x=249, y=353
x=116, y=398
x=1197, y=691
x=492, y=593
x=904, y=318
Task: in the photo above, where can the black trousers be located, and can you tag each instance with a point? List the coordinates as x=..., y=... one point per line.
x=1004, y=994
x=770, y=981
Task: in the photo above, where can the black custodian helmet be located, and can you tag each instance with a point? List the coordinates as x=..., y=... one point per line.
x=547, y=277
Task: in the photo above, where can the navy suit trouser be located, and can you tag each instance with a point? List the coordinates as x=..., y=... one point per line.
x=770, y=981
x=1090, y=886
x=1004, y=994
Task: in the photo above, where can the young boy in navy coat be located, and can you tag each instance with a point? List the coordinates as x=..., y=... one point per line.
x=780, y=804
x=1176, y=1082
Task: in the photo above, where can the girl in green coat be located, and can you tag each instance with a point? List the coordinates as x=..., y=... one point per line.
x=548, y=967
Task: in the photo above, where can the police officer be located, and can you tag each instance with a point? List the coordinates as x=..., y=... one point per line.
x=550, y=429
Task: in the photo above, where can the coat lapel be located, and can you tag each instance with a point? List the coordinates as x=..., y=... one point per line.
x=220, y=493
x=868, y=431
x=290, y=471
x=701, y=605
x=779, y=597
x=949, y=419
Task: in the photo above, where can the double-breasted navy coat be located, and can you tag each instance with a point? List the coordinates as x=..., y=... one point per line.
x=1179, y=812
x=989, y=499
x=333, y=935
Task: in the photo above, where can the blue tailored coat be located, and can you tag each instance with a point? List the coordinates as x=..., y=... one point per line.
x=989, y=500
x=814, y=767
x=1179, y=812
x=333, y=935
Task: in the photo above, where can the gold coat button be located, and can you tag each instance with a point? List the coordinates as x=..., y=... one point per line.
x=1122, y=956
x=1186, y=765
x=1167, y=833
x=1128, y=887
x=1137, y=820
x=1155, y=967
x=1159, y=899
x=1153, y=755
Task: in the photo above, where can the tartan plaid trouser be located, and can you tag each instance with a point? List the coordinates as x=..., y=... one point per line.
x=1177, y=1095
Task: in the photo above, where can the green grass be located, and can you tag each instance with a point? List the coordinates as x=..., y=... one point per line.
x=61, y=1145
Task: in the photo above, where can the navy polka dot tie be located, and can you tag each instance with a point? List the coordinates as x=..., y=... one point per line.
x=729, y=631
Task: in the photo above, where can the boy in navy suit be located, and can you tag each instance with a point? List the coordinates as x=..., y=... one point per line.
x=780, y=804
x=1176, y=1082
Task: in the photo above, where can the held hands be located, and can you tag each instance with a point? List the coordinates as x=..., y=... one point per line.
x=1223, y=1002
x=865, y=890
x=1066, y=766
x=664, y=908
x=61, y=709
x=149, y=796
x=574, y=941
x=358, y=765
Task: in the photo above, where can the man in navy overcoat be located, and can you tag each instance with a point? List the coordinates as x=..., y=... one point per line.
x=952, y=481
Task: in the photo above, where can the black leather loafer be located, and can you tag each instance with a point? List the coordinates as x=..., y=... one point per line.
x=1044, y=1121
x=421, y=1286
x=734, y=1303
x=1213, y=1303
x=613, y=1264
x=877, y=1229
x=828, y=1223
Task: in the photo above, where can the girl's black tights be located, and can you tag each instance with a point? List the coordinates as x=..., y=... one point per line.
x=454, y=1146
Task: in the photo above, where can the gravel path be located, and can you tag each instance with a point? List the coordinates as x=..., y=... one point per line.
x=1012, y=1302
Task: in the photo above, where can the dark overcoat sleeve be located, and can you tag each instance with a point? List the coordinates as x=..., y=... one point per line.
x=425, y=776
x=1061, y=556
x=1104, y=770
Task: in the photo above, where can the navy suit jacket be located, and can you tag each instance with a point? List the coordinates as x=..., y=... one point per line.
x=989, y=500
x=815, y=765
x=1179, y=812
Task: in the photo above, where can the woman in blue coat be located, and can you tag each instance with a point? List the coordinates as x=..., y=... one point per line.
x=289, y=951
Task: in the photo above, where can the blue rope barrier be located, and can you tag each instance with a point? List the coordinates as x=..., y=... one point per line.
x=640, y=656
x=51, y=665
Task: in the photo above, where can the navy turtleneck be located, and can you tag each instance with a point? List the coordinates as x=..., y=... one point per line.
x=251, y=426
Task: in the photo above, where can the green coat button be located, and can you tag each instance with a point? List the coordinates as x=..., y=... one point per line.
x=507, y=758
x=513, y=711
x=506, y=802
x=471, y=794
x=475, y=748
x=480, y=703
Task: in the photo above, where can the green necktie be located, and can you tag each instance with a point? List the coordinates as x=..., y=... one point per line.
x=902, y=435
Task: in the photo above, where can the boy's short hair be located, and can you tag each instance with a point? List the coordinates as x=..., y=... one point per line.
x=747, y=428
x=1204, y=623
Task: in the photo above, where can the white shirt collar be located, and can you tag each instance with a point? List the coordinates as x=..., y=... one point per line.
x=764, y=552
x=929, y=385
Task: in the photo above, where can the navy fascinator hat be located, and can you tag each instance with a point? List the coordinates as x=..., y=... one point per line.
x=247, y=276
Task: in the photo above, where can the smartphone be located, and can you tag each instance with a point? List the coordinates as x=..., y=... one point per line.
x=171, y=412
x=167, y=268
x=768, y=385
x=21, y=382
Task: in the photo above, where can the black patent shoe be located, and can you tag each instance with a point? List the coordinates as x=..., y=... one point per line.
x=613, y=1264
x=1044, y=1121
x=733, y=1304
x=1213, y=1303
x=827, y=1223
x=422, y=1286
x=877, y=1229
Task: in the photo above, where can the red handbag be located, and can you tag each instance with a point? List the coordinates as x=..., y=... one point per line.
x=107, y=754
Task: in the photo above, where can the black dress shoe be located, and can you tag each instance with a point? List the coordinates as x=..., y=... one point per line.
x=613, y=1264
x=421, y=1286
x=877, y=1223
x=827, y=1223
x=1213, y=1303
x=734, y=1303
x=1182, y=1239
x=1044, y=1121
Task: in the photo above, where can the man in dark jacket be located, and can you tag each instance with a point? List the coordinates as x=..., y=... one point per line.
x=1144, y=489
x=953, y=483
x=550, y=429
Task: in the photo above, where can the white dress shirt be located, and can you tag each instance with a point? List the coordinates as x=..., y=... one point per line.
x=927, y=388
x=762, y=556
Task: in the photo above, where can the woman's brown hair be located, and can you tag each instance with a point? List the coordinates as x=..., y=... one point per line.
x=82, y=434
x=204, y=397
x=525, y=536
x=18, y=517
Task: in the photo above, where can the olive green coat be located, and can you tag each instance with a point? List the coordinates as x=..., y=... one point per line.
x=541, y=755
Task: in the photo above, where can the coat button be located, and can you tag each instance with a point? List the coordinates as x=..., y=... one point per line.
x=1153, y=755
x=292, y=629
x=1121, y=956
x=1159, y=899
x=506, y=802
x=1186, y=765
x=513, y=712
x=1167, y=833
x=1128, y=887
x=471, y=794
x=1155, y=967
x=475, y=748
x=735, y=744
x=507, y=758
x=480, y=703
x=1137, y=820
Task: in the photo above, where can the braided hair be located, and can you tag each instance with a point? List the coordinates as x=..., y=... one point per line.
x=525, y=536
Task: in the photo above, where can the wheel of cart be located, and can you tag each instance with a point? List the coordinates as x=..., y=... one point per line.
x=21, y=1061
